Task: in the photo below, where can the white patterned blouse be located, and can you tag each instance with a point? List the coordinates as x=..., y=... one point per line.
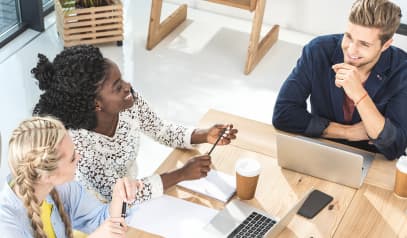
x=105, y=159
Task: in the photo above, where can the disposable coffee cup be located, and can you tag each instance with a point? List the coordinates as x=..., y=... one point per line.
x=400, y=185
x=247, y=176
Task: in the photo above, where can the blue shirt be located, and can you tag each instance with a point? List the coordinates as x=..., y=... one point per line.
x=313, y=77
x=86, y=213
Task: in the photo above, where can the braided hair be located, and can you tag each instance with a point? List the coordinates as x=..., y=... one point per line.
x=70, y=85
x=32, y=153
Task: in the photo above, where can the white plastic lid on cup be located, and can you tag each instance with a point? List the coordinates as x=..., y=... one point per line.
x=248, y=167
x=402, y=164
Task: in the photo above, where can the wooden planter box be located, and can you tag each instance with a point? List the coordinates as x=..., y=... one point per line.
x=92, y=25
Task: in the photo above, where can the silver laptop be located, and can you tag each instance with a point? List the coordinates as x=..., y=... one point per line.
x=331, y=161
x=238, y=219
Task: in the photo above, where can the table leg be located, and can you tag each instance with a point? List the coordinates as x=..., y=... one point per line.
x=257, y=50
x=157, y=30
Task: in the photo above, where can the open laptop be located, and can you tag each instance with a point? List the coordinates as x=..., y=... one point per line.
x=238, y=219
x=331, y=161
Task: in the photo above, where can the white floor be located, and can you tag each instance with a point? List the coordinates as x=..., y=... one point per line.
x=197, y=67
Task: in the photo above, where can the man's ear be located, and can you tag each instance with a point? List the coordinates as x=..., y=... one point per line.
x=387, y=44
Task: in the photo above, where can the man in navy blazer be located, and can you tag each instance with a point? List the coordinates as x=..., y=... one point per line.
x=356, y=81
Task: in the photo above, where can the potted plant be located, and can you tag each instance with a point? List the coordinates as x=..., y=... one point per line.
x=86, y=3
x=89, y=21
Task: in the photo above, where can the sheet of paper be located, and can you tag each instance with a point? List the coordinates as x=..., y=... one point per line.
x=171, y=217
x=216, y=185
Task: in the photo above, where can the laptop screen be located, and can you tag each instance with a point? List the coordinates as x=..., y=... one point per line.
x=330, y=161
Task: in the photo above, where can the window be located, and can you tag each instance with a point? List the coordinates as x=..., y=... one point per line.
x=403, y=26
x=18, y=15
x=10, y=20
x=47, y=6
x=46, y=2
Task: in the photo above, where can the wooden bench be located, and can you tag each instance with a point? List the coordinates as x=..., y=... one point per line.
x=257, y=47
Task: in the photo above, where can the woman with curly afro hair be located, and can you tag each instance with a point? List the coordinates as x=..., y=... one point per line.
x=105, y=117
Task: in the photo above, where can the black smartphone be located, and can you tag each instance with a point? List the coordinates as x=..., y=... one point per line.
x=315, y=202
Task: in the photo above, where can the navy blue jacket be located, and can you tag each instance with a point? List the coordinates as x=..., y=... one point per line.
x=313, y=77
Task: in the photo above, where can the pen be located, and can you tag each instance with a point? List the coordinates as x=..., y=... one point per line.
x=124, y=206
x=217, y=141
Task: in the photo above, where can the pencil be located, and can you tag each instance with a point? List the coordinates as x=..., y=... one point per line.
x=217, y=141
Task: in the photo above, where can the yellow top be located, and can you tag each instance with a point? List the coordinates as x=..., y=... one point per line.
x=46, y=209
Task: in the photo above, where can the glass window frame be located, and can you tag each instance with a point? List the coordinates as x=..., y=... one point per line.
x=402, y=29
x=14, y=30
x=48, y=8
x=27, y=21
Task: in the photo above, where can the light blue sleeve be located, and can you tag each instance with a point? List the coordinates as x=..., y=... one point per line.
x=13, y=217
x=86, y=212
x=10, y=227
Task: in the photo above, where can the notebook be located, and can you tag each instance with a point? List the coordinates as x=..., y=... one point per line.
x=331, y=161
x=170, y=217
x=216, y=184
x=239, y=219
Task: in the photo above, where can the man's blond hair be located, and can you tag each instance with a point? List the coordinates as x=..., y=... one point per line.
x=381, y=14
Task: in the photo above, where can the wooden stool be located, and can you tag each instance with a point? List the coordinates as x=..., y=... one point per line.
x=257, y=48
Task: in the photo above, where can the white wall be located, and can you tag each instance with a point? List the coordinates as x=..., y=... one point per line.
x=403, y=6
x=315, y=17
x=309, y=16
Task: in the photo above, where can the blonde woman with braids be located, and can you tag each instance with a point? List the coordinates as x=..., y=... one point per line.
x=43, y=163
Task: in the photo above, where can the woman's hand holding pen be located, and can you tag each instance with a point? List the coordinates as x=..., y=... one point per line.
x=227, y=132
x=199, y=166
x=113, y=227
x=211, y=134
x=124, y=191
x=196, y=167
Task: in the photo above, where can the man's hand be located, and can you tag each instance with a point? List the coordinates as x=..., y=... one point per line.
x=356, y=132
x=351, y=80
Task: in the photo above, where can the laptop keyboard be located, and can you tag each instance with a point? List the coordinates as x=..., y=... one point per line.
x=255, y=225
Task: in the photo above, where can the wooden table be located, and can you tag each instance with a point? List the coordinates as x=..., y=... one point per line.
x=258, y=46
x=371, y=211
